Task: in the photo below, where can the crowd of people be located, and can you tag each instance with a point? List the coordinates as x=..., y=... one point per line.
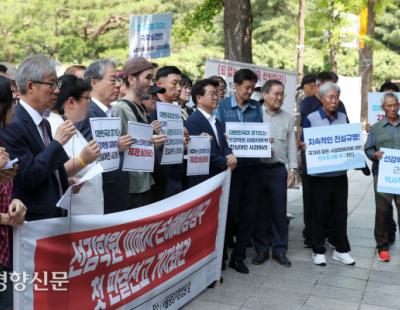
x=45, y=124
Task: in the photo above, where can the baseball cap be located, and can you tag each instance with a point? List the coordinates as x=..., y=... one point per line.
x=136, y=65
x=307, y=79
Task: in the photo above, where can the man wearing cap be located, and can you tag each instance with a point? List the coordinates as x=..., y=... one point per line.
x=308, y=85
x=138, y=76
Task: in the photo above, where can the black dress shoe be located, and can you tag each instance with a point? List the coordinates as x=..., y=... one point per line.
x=282, y=259
x=239, y=266
x=260, y=258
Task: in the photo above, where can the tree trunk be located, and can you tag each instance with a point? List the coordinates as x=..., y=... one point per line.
x=333, y=45
x=237, y=30
x=300, y=41
x=366, y=63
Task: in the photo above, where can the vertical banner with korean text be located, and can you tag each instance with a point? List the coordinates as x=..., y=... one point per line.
x=106, y=132
x=334, y=148
x=150, y=35
x=249, y=139
x=156, y=257
x=140, y=155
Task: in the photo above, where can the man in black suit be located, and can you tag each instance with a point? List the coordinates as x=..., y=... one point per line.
x=202, y=121
x=105, y=89
x=41, y=178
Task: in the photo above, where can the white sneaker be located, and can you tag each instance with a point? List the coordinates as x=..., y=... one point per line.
x=344, y=258
x=319, y=259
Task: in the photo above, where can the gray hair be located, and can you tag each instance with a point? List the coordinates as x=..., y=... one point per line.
x=96, y=70
x=388, y=95
x=327, y=87
x=34, y=68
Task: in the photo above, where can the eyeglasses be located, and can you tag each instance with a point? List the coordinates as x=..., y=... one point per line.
x=276, y=95
x=53, y=85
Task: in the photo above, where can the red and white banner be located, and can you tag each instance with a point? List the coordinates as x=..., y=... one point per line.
x=156, y=257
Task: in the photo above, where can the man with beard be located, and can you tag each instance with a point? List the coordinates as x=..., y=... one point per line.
x=138, y=77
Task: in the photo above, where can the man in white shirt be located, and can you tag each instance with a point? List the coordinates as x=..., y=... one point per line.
x=41, y=178
x=105, y=89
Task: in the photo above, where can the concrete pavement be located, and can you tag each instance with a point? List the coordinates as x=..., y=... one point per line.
x=369, y=285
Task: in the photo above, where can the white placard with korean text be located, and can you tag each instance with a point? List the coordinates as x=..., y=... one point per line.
x=389, y=172
x=334, y=148
x=139, y=156
x=166, y=112
x=199, y=152
x=173, y=146
x=106, y=132
x=249, y=139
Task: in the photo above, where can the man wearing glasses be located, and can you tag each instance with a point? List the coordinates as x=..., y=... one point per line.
x=275, y=178
x=41, y=178
x=102, y=77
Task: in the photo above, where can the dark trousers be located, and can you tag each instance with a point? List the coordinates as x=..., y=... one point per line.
x=305, y=181
x=329, y=202
x=137, y=200
x=384, y=217
x=242, y=208
x=271, y=210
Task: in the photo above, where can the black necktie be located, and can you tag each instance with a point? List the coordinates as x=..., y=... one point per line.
x=44, y=125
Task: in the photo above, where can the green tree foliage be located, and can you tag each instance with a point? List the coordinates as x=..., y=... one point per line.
x=78, y=31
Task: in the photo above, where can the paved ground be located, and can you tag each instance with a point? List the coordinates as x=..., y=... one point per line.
x=369, y=285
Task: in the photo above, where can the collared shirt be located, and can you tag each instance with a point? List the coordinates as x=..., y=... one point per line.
x=370, y=147
x=229, y=111
x=35, y=115
x=282, y=130
x=241, y=111
x=102, y=106
x=211, y=119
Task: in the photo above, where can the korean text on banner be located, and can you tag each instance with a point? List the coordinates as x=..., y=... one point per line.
x=334, y=148
x=150, y=35
x=199, y=151
x=106, y=132
x=228, y=68
x=173, y=146
x=167, y=112
x=155, y=257
x=140, y=155
x=389, y=172
x=249, y=139
x=375, y=112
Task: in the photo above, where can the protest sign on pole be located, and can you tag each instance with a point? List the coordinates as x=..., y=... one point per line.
x=228, y=68
x=173, y=146
x=140, y=155
x=106, y=132
x=249, y=139
x=334, y=148
x=389, y=172
x=199, y=151
x=375, y=112
x=150, y=35
x=167, y=112
x=155, y=257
